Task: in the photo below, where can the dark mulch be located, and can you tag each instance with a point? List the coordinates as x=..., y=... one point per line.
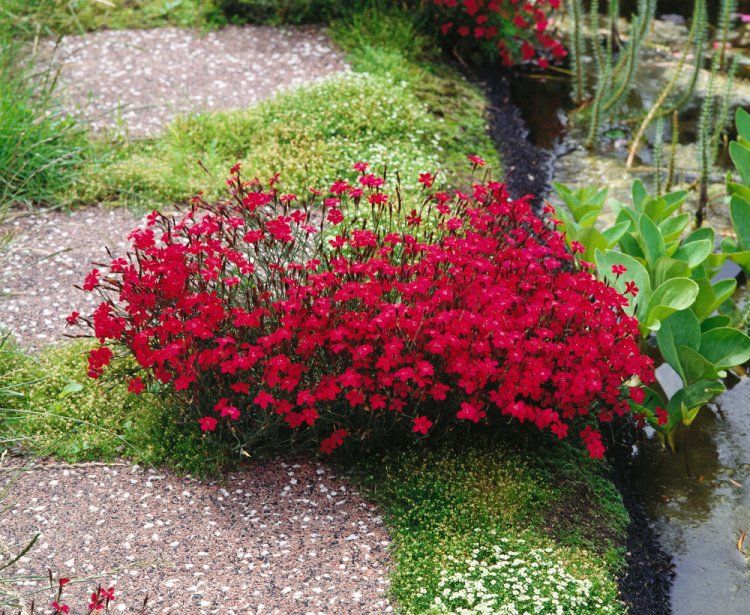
x=528, y=168
x=647, y=581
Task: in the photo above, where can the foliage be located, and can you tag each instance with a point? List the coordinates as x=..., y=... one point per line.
x=56, y=410
x=285, y=11
x=668, y=273
x=517, y=31
x=479, y=518
x=738, y=249
x=54, y=17
x=383, y=316
x=41, y=149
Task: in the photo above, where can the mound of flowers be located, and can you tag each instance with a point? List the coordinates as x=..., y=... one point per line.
x=347, y=314
x=518, y=30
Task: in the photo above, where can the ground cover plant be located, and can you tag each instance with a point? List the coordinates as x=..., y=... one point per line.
x=482, y=526
x=339, y=316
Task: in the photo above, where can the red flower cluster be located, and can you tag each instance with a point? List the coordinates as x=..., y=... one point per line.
x=340, y=313
x=519, y=30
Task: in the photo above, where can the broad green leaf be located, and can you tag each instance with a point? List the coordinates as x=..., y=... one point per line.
x=639, y=194
x=725, y=347
x=70, y=389
x=694, y=253
x=742, y=119
x=680, y=330
x=741, y=258
x=741, y=158
x=667, y=268
x=635, y=273
x=630, y=246
x=672, y=228
x=715, y=321
x=739, y=210
x=697, y=367
x=692, y=397
x=651, y=241
x=740, y=190
x=711, y=296
x=613, y=234
x=673, y=295
x=700, y=234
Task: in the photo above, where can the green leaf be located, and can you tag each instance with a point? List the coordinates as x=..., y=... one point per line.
x=673, y=295
x=714, y=322
x=613, y=234
x=741, y=190
x=70, y=389
x=711, y=296
x=725, y=347
x=651, y=241
x=742, y=119
x=668, y=268
x=740, y=155
x=692, y=398
x=694, y=253
x=739, y=210
x=639, y=194
x=672, y=228
x=697, y=367
x=680, y=330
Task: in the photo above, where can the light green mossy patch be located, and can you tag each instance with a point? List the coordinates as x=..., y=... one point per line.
x=50, y=407
x=490, y=528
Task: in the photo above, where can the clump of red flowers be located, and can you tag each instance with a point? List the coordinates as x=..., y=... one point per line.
x=345, y=314
x=520, y=31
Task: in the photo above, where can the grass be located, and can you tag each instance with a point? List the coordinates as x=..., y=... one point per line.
x=487, y=523
x=400, y=109
x=56, y=17
x=41, y=150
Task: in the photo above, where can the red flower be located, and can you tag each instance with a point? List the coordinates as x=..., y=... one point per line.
x=72, y=319
x=91, y=281
x=662, y=416
x=631, y=289
x=60, y=609
x=208, y=423
x=421, y=425
x=476, y=160
x=427, y=179
x=619, y=269
x=136, y=386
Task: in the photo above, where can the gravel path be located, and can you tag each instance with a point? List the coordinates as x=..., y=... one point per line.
x=49, y=253
x=278, y=537
x=141, y=79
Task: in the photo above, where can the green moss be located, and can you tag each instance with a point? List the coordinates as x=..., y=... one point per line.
x=50, y=407
x=450, y=504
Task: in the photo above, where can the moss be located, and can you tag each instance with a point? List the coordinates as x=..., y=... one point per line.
x=448, y=504
x=52, y=408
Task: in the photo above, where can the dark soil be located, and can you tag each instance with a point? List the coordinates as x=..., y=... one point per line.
x=528, y=167
x=646, y=582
